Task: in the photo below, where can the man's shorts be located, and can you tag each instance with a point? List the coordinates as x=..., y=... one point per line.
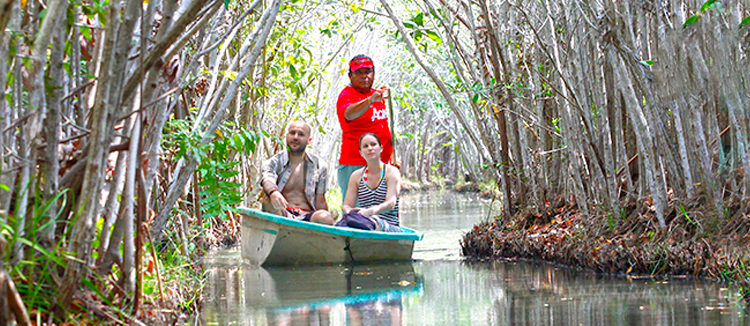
x=344, y=173
x=298, y=214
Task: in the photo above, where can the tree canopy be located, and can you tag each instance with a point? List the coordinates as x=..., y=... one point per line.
x=141, y=125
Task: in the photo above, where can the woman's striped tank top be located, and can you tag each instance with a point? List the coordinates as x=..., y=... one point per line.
x=370, y=197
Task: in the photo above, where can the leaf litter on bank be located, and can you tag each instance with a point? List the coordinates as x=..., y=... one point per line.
x=693, y=244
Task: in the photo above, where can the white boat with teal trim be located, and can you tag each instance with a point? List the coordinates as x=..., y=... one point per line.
x=271, y=240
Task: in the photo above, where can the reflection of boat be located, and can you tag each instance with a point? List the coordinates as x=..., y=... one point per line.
x=313, y=286
x=270, y=239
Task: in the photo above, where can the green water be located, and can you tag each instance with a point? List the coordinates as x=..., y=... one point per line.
x=438, y=288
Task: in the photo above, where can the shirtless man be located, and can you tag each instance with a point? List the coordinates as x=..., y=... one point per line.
x=295, y=181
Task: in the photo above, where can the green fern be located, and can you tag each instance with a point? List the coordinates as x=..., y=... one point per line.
x=216, y=170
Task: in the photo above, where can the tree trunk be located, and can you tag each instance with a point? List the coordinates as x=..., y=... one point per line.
x=6, y=11
x=158, y=113
x=504, y=102
x=155, y=56
x=128, y=261
x=571, y=120
x=111, y=206
x=12, y=9
x=87, y=207
x=52, y=134
x=683, y=151
x=258, y=41
x=644, y=140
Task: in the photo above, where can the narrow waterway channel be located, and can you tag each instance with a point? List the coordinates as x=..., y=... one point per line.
x=439, y=288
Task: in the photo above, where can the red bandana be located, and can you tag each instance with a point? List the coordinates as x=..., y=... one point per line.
x=360, y=63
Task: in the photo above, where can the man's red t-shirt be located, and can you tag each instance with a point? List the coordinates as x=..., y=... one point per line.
x=375, y=119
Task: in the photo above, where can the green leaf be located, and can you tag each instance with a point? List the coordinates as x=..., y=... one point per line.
x=418, y=19
x=647, y=63
x=27, y=63
x=207, y=182
x=4, y=187
x=250, y=144
x=745, y=21
x=12, y=49
x=228, y=184
x=86, y=32
x=86, y=10
x=228, y=174
x=208, y=201
x=408, y=25
x=103, y=18
x=237, y=142
x=210, y=214
x=706, y=5
x=226, y=4
x=433, y=36
x=70, y=19
x=691, y=20
x=417, y=35
x=68, y=47
x=293, y=71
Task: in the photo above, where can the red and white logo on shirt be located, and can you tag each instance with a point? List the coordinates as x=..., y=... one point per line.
x=378, y=114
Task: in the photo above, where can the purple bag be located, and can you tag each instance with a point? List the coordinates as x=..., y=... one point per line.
x=356, y=220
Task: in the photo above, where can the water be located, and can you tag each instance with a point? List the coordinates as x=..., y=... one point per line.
x=438, y=288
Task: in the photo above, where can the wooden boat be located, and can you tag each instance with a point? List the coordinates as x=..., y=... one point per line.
x=271, y=240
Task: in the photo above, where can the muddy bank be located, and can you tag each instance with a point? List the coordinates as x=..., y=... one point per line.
x=694, y=243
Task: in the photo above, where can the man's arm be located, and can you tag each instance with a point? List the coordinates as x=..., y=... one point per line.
x=269, y=185
x=268, y=175
x=356, y=110
x=270, y=188
x=321, y=187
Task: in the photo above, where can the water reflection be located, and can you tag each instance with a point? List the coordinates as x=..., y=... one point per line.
x=315, y=295
x=527, y=293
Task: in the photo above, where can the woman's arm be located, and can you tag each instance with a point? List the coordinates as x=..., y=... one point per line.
x=350, y=198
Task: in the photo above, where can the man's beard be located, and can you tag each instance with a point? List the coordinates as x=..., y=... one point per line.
x=298, y=150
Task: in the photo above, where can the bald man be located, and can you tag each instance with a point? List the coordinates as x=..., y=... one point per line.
x=295, y=181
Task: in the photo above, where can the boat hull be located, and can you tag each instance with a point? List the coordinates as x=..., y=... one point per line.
x=272, y=240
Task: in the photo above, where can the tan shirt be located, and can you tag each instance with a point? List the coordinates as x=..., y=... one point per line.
x=278, y=169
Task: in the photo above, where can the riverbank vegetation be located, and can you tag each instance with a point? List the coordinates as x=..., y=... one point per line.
x=131, y=130
x=697, y=246
x=642, y=166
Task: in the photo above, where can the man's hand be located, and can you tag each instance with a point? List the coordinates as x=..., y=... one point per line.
x=395, y=161
x=380, y=94
x=278, y=201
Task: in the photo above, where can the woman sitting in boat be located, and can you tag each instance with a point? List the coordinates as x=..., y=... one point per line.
x=375, y=187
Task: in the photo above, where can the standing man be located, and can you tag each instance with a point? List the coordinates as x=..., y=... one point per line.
x=360, y=110
x=295, y=181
